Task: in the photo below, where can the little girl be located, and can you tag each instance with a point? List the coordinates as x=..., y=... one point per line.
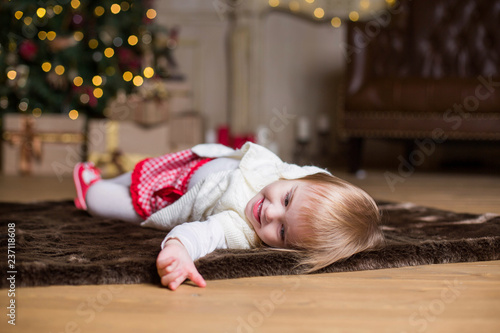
x=236, y=199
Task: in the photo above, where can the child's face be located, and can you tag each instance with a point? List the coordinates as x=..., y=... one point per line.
x=274, y=212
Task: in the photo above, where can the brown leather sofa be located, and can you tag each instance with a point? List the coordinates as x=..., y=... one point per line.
x=423, y=70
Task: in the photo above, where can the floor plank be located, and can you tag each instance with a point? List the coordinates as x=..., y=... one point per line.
x=462, y=297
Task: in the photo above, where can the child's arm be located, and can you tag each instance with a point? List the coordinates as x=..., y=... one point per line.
x=182, y=246
x=175, y=265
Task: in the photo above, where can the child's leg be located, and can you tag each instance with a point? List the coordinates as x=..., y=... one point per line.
x=123, y=179
x=111, y=198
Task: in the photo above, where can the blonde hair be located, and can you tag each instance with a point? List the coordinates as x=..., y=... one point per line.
x=339, y=220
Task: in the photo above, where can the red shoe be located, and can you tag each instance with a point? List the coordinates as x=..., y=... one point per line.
x=84, y=175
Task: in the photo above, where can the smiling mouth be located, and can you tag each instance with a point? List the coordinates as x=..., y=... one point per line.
x=257, y=209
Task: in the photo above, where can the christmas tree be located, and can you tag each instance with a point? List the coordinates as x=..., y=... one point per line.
x=73, y=56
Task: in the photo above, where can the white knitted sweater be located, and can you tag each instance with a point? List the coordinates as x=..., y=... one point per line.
x=224, y=195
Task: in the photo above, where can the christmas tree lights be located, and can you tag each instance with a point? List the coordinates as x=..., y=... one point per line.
x=72, y=57
x=330, y=10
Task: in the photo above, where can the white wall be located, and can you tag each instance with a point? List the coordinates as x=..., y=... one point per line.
x=200, y=54
x=302, y=66
x=294, y=67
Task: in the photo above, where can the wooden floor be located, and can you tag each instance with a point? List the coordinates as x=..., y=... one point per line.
x=436, y=298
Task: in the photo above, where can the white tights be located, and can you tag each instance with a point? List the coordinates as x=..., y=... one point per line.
x=111, y=198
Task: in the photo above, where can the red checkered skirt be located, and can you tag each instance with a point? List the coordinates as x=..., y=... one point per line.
x=160, y=181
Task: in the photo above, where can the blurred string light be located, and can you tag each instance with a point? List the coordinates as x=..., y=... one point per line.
x=110, y=71
x=98, y=92
x=78, y=35
x=294, y=5
x=59, y=69
x=125, y=6
x=128, y=76
x=57, y=9
x=319, y=12
x=48, y=11
x=37, y=112
x=151, y=14
x=51, y=35
x=23, y=105
x=117, y=42
x=75, y=4
x=4, y=102
x=93, y=43
x=147, y=38
x=115, y=8
x=274, y=3
x=336, y=22
x=12, y=74
x=46, y=66
x=133, y=40
x=40, y=12
x=149, y=72
x=78, y=81
x=99, y=11
x=109, y=52
x=97, y=80
x=322, y=10
x=84, y=98
x=73, y=114
x=138, y=81
x=354, y=16
x=77, y=19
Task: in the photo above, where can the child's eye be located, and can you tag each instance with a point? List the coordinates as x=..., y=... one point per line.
x=282, y=232
x=287, y=199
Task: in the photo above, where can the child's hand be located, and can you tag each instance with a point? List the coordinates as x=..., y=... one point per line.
x=175, y=265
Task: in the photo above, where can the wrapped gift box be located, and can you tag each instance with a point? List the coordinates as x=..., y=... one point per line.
x=152, y=103
x=144, y=111
x=48, y=145
x=186, y=131
x=122, y=107
x=151, y=112
x=180, y=97
x=116, y=146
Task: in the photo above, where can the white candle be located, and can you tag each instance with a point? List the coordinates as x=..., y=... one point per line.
x=264, y=135
x=323, y=123
x=210, y=136
x=303, y=130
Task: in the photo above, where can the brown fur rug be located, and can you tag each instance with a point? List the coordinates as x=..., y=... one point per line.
x=59, y=245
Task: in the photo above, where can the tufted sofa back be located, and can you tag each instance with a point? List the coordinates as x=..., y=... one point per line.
x=427, y=56
x=458, y=38
x=440, y=38
x=424, y=65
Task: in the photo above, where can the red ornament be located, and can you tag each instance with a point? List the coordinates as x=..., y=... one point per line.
x=92, y=99
x=240, y=140
x=28, y=50
x=128, y=59
x=223, y=136
x=237, y=141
